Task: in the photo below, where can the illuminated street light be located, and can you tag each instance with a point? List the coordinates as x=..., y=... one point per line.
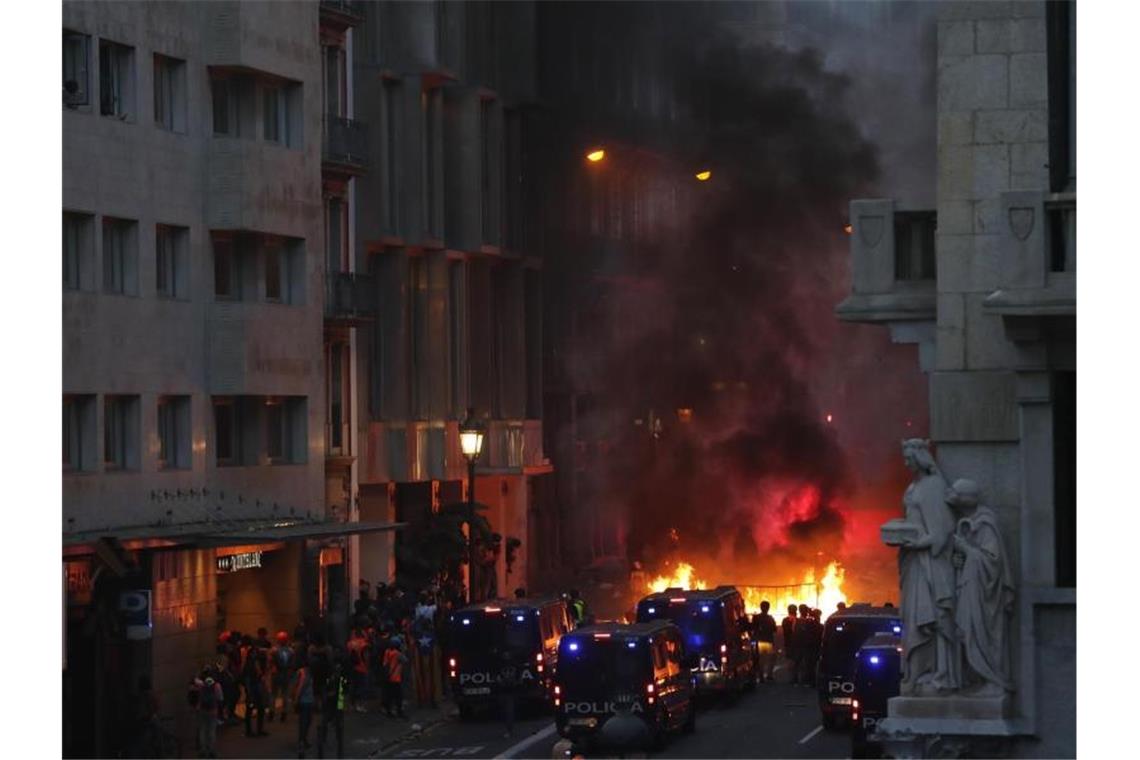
x=704, y=175
x=471, y=442
x=596, y=155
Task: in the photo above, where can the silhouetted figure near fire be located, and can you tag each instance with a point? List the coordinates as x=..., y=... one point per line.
x=764, y=631
x=809, y=637
x=788, y=628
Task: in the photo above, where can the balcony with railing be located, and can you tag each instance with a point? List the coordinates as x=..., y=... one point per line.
x=342, y=14
x=350, y=298
x=345, y=145
x=1038, y=267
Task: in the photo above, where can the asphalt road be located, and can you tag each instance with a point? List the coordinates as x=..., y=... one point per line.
x=777, y=720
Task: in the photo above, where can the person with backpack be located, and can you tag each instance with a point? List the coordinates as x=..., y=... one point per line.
x=304, y=698
x=332, y=701
x=280, y=674
x=205, y=697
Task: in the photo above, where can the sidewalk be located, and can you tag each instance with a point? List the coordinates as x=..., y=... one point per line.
x=364, y=734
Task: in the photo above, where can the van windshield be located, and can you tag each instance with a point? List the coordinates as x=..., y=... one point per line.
x=701, y=622
x=481, y=632
x=844, y=636
x=602, y=668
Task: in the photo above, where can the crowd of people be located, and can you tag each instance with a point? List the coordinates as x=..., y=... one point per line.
x=393, y=651
x=802, y=637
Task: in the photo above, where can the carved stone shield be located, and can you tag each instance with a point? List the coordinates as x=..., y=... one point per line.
x=871, y=230
x=1021, y=221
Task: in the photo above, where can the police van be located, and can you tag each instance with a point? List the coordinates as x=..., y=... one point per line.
x=623, y=685
x=878, y=672
x=843, y=634
x=715, y=627
x=525, y=631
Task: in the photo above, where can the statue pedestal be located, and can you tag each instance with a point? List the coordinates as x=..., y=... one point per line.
x=950, y=726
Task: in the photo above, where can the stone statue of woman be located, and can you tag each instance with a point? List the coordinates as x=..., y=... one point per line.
x=985, y=593
x=926, y=578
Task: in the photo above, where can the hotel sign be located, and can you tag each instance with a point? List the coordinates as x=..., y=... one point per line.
x=231, y=563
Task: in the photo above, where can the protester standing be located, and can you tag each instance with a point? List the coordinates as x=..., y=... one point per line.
x=764, y=630
x=280, y=674
x=332, y=701
x=394, y=661
x=304, y=697
x=788, y=628
x=205, y=696
x=507, y=682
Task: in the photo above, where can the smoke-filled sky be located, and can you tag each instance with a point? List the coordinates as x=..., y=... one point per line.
x=796, y=111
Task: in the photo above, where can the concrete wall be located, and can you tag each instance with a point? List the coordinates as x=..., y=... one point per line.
x=151, y=346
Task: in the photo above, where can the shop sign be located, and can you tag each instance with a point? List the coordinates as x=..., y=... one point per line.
x=78, y=580
x=134, y=606
x=231, y=563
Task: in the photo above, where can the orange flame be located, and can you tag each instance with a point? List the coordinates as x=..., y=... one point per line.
x=825, y=593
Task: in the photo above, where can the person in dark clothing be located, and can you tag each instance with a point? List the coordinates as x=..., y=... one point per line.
x=520, y=593
x=788, y=628
x=253, y=673
x=304, y=698
x=809, y=639
x=764, y=631
x=507, y=681
x=332, y=701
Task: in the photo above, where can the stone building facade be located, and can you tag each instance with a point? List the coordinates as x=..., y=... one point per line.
x=446, y=239
x=985, y=286
x=200, y=144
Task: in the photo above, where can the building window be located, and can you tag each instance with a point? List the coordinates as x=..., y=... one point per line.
x=338, y=393
x=284, y=429
x=391, y=154
x=120, y=432
x=274, y=273
x=169, y=93
x=914, y=245
x=227, y=272
x=335, y=81
x=227, y=432
x=170, y=261
x=456, y=279
x=76, y=249
x=234, y=104
x=76, y=80
x=432, y=111
x=274, y=124
x=1061, y=46
x=116, y=80
x=174, y=432
x=120, y=256
x=336, y=237
x=79, y=432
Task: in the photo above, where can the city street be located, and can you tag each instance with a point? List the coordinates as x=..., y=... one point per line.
x=777, y=720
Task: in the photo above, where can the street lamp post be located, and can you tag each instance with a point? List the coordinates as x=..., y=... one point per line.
x=471, y=442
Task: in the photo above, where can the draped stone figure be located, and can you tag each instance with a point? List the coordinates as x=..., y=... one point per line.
x=985, y=593
x=925, y=537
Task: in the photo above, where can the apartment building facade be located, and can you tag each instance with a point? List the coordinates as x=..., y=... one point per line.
x=993, y=313
x=209, y=321
x=445, y=233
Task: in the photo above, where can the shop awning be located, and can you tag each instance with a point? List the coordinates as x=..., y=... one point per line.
x=301, y=530
x=230, y=533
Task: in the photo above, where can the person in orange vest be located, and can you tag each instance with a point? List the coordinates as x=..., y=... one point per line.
x=358, y=658
x=394, y=661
